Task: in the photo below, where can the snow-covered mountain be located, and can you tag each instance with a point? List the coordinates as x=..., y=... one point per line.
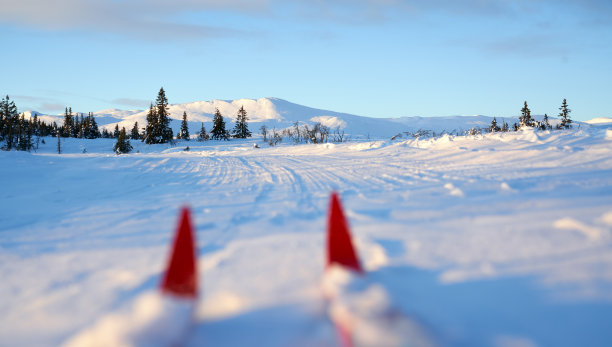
x=280, y=114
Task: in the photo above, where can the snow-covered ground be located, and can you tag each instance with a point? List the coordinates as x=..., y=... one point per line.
x=488, y=240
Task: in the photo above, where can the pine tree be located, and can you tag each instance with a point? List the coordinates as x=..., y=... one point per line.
x=92, y=131
x=158, y=121
x=505, y=127
x=149, y=136
x=163, y=117
x=116, y=132
x=82, y=127
x=123, y=144
x=24, y=137
x=525, y=119
x=545, y=124
x=135, y=135
x=218, y=131
x=10, y=119
x=241, y=129
x=68, y=123
x=76, y=128
x=202, y=135
x=494, y=127
x=566, y=121
x=184, y=132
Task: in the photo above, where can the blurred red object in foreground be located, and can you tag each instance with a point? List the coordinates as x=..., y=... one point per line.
x=181, y=277
x=340, y=248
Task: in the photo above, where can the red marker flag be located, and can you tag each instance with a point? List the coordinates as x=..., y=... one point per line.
x=340, y=248
x=181, y=277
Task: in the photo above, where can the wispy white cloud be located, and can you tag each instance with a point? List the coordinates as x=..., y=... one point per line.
x=140, y=18
x=131, y=102
x=155, y=18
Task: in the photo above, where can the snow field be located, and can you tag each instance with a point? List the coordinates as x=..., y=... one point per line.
x=498, y=239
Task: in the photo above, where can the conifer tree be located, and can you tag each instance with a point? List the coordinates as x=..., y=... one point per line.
x=10, y=119
x=494, y=127
x=149, y=136
x=545, y=124
x=116, y=132
x=123, y=144
x=525, y=119
x=163, y=117
x=566, y=121
x=218, y=131
x=158, y=121
x=76, y=127
x=59, y=145
x=135, y=135
x=241, y=129
x=92, y=132
x=505, y=127
x=68, y=123
x=184, y=132
x=202, y=135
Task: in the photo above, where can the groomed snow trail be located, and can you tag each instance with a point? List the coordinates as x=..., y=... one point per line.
x=497, y=240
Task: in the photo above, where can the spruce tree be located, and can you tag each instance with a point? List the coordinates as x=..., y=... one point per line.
x=566, y=121
x=76, y=127
x=135, y=135
x=123, y=144
x=10, y=119
x=158, y=121
x=494, y=127
x=202, y=135
x=149, y=136
x=116, y=132
x=241, y=129
x=218, y=131
x=525, y=119
x=93, y=132
x=68, y=123
x=24, y=137
x=163, y=117
x=545, y=125
x=184, y=132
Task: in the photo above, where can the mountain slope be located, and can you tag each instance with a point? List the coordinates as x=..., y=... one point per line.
x=280, y=114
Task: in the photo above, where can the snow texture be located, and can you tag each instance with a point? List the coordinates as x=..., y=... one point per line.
x=487, y=240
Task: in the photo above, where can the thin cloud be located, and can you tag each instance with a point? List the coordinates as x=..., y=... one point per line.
x=52, y=107
x=137, y=18
x=528, y=46
x=160, y=18
x=131, y=102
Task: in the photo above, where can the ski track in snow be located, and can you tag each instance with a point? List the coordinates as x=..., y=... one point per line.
x=485, y=240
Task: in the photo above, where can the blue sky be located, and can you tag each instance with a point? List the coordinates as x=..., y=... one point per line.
x=384, y=58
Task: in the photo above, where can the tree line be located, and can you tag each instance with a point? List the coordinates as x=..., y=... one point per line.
x=158, y=128
x=527, y=121
x=18, y=133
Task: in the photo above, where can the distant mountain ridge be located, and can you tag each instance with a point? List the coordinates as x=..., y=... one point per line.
x=280, y=114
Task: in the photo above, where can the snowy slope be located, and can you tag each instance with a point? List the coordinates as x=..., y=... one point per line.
x=494, y=240
x=280, y=114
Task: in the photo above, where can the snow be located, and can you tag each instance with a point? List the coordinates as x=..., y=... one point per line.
x=600, y=120
x=495, y=239
x=281, y=114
